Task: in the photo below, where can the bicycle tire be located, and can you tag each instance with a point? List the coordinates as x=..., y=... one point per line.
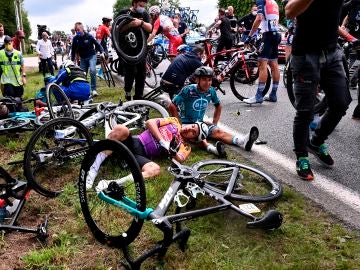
x=150, y=76
x=156, y=54
x=11, y=124
x=132, y=43
x=55, y=96
x=321, y=104
x=252, y=185
x=114, y=66
x=238, y=76
x=112, y=225
x=49, y=162
x=139, y=106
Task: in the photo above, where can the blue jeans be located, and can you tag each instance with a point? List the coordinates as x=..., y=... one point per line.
x=85, y=64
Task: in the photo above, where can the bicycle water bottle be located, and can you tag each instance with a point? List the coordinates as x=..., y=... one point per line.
x=3, y=213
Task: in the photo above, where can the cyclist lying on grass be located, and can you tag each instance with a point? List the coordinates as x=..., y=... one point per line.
x=150, y=144
x=190, y=106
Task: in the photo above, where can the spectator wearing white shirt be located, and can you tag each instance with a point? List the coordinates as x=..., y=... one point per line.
x=45, y=50
x=2, y=36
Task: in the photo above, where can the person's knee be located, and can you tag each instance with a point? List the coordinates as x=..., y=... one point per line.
x=119, y=133
x=151, y=169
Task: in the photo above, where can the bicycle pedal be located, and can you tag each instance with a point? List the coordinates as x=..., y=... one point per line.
x=181, y=199
x=194, y=189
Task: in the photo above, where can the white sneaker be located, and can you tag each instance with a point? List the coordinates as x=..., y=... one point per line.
x=103, y=184
x=90, y=178
x=253, y=100
x=250, y=138
x=11, y=209
x=94, y=93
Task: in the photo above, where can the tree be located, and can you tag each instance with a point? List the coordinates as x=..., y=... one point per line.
x=8, y=19
x=243, y=7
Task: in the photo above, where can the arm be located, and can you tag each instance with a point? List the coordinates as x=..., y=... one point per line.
x=73, y=49
x=98, y=47
x=154, y=30
x=153, y=126
x=22, y=68
x=345, y=35
x=256, y=24
x=345, y=22
x=217, y=114
x=38, y=48
x=295, y=8
x=173, y=111
x=62, y=75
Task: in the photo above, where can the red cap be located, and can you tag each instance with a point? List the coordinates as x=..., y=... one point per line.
x=20, y=33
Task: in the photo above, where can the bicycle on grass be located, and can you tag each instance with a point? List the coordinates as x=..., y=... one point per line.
x=115, y=208
x=56, y=149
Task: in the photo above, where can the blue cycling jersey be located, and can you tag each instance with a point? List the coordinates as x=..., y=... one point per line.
x=193, y=103
x=74, y=90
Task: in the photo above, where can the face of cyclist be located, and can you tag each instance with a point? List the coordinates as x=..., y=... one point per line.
x=204, y=83
x=190, y=132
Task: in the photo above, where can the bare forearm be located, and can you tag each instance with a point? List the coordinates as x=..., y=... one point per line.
x=296, y=7
x=255, y=25
x=152, y=126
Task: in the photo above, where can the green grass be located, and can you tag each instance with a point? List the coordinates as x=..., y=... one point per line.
x=308, y=239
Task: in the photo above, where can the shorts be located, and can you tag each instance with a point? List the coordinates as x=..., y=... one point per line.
x=10, y=90
x=269, y=47
x=135, y=146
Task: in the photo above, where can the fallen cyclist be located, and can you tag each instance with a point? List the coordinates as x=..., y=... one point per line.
x=150, y=144
x=190, y=106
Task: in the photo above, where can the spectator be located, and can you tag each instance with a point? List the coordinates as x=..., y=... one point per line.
x=225, y=40
x=182, y=27
x=2, y=36
x=19, y=36
x=245, y=23
x=85, y=45
x=12, y=70
x=45, y=51
x=103, y=33
x=233, y=22
x=136, y=72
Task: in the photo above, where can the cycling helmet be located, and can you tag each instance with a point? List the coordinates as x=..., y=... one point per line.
x=183, y=48
x=203, y=131
x=154, y=10
x=106, y=19
x=49, y=79
x=67, y=63
x=204, y=72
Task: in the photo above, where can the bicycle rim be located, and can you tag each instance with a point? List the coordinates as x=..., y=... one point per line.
x=150, y=79
x=51, y=158
x=251, y=185
x=110, y=224
x=244, y=81
x=57, y=102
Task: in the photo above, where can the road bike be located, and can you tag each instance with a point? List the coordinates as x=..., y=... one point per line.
x=11, y=190
x=115, y=207
x=56, y=149
x=242, y=67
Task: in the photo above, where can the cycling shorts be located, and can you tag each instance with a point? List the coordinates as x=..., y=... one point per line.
x=136, y=147
x=269, y=47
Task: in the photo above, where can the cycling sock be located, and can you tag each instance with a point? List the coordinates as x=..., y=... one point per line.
x=212, y=149
x=98, y=161
x=274, y=87
x=261, y=88
x=103, y=184
x=236, y=140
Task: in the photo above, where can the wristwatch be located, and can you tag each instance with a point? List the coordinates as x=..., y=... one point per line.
x=24, y=75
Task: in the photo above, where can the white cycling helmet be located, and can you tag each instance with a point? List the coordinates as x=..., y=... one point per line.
x=67, y=63
x=154, y=10
x=203, y=131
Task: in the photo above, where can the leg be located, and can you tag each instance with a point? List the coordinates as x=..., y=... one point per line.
x=50, y=65
x=43, y=65
x=219, y=48
x=140, y=79
x=129, y=77
x=92, y=66
x=150, y=169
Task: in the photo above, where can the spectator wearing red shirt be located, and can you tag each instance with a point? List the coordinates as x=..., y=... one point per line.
x=103, y=32
x=16, y=41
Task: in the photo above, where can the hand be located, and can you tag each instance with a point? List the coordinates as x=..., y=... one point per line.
x=23, y=80
x=135, y=23
x=102, y=55
x=165, y=144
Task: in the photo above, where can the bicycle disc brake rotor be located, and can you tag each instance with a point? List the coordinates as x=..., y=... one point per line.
x=131, y=39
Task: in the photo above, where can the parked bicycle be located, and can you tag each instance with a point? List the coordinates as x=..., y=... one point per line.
x=115, y=207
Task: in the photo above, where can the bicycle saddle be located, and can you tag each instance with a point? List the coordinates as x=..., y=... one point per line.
x=270, y=221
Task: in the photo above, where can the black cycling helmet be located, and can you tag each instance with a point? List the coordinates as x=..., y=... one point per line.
x=106, y=19
x=204, y=72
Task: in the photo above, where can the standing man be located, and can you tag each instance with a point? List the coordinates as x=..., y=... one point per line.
x=103, y=33
x=45, y=51
x=225, y=40
x=85, y=44
x=136, y=72
x=12, y=70
x=233, y=22
x=268, y=18
x=19, y=36
x=245, y=23
x=318, y=61
x=2, y=36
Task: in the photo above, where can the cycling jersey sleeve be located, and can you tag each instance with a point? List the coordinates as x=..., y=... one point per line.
x=156, y=25
x=62, y=75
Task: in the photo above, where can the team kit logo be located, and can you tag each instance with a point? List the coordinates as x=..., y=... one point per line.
x=200, y=104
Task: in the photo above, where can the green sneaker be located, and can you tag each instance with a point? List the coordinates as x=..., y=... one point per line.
x=322, y=154
x=303, y=169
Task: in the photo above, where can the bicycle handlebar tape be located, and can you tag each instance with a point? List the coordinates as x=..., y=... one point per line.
x=130, y=43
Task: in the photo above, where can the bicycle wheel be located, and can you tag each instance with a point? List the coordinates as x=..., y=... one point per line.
x=243, y=82
x=142, y=110
x=321, y=103
x=110, y=223
x=57, y=102
x=156, y=54
x=53, y=154
x=151, y=78
x=114, y=66
x=11, y=124
x=251, y=184
x=129, y=43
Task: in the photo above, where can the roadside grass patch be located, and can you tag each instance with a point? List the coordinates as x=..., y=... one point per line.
x=308, y=239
